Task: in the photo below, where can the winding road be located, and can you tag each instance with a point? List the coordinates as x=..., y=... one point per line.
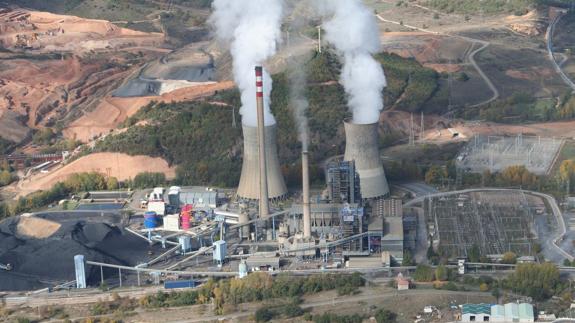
x=470, y=57
x=549, y=37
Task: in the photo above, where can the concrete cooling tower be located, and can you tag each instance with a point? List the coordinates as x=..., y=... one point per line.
x=249, y=187
x=362, y=147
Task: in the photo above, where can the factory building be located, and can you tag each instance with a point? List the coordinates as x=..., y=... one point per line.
x=256, y=263
x=387, y=217
x=392, y=240
x=342, y=182
x=330, y=219
x=249, y=187
x=476, y=313
x=203, y=199
x=508, y=313
x=362, y=146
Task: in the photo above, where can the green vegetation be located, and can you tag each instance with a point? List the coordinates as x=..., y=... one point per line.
x=381, y=316
x=199, y=139
x=539, y=281
x=76, y=183
x=409, y=84
x=255, y=287
x=6, y=146
x=288, y=309
x=118, y=306
x=147, y=179
x=517, y=7
x=523, y=107
x=423, y=273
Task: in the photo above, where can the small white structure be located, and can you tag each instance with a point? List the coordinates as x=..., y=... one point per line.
x=243, y=269
x=220, y=251
x=402, y=283
x=80, y=271
x=185, y=243
x=512, y=312
x=172, y=222
x=461, y=266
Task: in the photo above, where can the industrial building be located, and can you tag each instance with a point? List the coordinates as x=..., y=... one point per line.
x=508, y=313
x=476, y=313
x=343, y=182
x=202, y=198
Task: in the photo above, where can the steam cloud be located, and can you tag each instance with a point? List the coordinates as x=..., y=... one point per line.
x=299, y=103
x=354, y=32
x=253, y=29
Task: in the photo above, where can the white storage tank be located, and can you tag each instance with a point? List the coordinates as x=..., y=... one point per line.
x=185, y=243
x=220, y=251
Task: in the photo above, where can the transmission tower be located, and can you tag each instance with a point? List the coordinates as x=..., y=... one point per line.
x=422, y=128
x=319, y=39
x=411, y=132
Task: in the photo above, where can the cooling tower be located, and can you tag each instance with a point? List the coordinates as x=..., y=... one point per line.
x=249, y=187
x=362, y=146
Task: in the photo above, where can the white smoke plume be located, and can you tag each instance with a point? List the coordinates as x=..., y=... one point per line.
x=353, y=30
x=252, y=27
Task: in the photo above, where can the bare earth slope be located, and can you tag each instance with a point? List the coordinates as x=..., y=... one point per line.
x=121, y=166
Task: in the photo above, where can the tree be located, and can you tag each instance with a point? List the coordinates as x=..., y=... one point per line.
x=483, y=287
x=432, y=256
x=539, y=281
x=385, y=316
x=264, y=314
x=474, y=254
x=441, y=273
x=5, y=178
x=509, y=258
x=423, y=273
x=435, y=175
x=112, y=183
x=407, y=259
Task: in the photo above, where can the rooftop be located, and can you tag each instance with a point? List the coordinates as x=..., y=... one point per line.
x=476, y=309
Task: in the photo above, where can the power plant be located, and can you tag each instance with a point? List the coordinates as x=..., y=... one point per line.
x=261, y=177
x=362, y=147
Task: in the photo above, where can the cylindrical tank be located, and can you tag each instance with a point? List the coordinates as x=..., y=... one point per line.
x=249, y=187
x=150, y=220
x=186, y=216
x=362, y=146
x=243, y=269
x=185, y=243
x=150, y=214
x=150, y=223
x=245, y=230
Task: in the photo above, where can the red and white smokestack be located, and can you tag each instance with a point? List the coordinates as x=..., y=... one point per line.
x=264, y=202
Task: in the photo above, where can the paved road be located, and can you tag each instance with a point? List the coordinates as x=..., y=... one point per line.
x=418, y=189
x=549, y=37
x=550, y=243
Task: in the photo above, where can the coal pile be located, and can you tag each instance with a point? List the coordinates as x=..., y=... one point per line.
x=38, y=263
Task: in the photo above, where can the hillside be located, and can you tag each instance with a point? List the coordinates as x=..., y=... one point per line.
x=200, y=139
